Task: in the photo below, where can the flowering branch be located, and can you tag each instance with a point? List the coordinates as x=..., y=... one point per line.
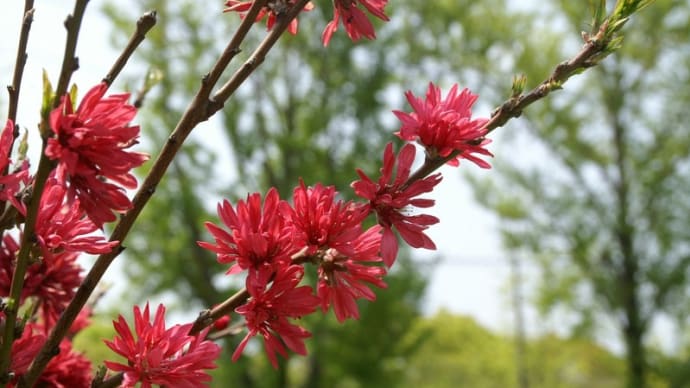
x=196, y=112
x=594, y=49
x=69, y=65
x=257, y=57
x=28, y=241
x=85, y=169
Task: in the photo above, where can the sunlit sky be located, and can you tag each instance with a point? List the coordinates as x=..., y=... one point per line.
x=472, y=277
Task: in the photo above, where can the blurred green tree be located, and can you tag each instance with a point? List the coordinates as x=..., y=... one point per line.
x=460, y=352
x=601, y=203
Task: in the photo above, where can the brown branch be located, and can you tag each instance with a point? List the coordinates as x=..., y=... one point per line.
x=144, y=25
x=111, y=382
x=256, y=58
x=20, y=62
x=70, y=63
x=197, y=111
x=207, y=317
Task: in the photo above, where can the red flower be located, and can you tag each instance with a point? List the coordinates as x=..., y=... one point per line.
x=11, y=183
x=390, y=200
x=63, y=227
x=67, y=369
x=90, y=147
x=354, y=19
x=319, y=221
x=53, y=280
x=445, y=125
x=8, y=258
x=268, y=310
x=258, y=240
x=273, y=9
x=332, y=232
x=167, y=357
x=342, y=277
x=24, y=350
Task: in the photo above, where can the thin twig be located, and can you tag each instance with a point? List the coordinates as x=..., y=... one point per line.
x=207, y=317
x=144, y=25
x=20, y=62
x=255, y=59
x=70, y=63
x=196, y=112
x=111, y=382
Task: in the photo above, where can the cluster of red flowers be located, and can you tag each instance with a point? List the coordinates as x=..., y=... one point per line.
x=267, y=237
x=92, y=170
x=67, y=369
x=167, y=357
x=90, y=148
x=356, y=22
x=272, y=239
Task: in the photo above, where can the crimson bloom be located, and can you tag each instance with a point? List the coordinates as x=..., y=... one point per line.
x=67, y=369
x=272, y=9
x=53, y=280
x=343, y=278
x=332, y=232
x=390, y=200
x=258, y=240
x=445, y=125
x=319, y=221
x=11, y=183
x=356, y=23
x=24, y=350
x=62, y=226
x=167, y=357
x=91, y=145
x=268, y=310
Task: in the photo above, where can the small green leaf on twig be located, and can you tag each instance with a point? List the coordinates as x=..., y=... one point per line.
x=153, y=77
x=48, y=95
x=519, y=82
x=23, y=147
x=598, y=14
x=73, y=96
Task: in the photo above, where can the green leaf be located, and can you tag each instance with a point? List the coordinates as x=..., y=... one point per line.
x=73, y=96
x=23, y=146
x=598, y=14
x=48, y=96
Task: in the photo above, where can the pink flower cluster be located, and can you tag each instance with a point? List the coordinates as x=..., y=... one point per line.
x=68, y=369
x=92, y=169
x=268, y=238
x=166, y=357
x=271, y=239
